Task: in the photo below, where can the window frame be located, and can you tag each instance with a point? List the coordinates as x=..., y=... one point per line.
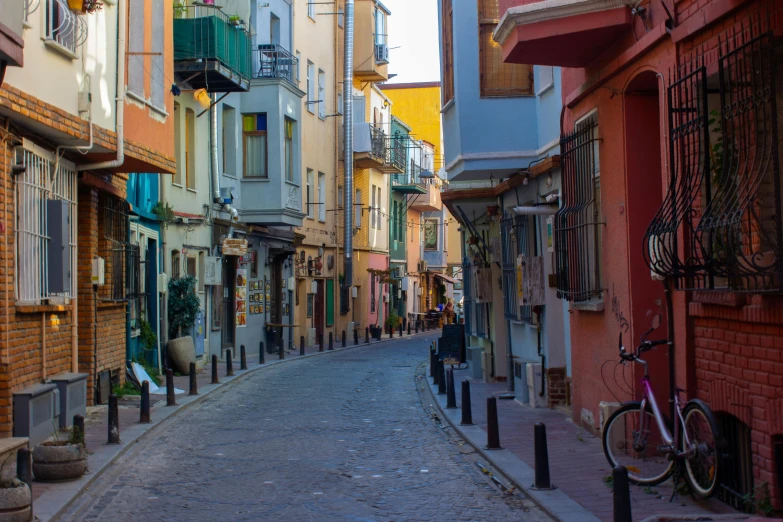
x=311, y=10
x=229, y=141
x=309, y=212
x=322, y=197
x=256, y=133
x=310, y=87
x=358, y=209
x=288, y=134
x=321, y=94
x=190, y=149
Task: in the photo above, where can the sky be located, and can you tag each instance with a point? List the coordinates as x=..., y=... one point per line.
x=413, y=40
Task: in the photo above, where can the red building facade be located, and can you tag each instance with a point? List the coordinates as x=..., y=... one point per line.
x=672, y=123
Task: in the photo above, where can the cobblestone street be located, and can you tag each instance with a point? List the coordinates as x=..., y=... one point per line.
x=340, y=437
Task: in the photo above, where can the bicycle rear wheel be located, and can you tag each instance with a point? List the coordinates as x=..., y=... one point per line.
x=627, y=444
x=702, y=465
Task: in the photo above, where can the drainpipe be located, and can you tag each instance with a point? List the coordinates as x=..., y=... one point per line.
x=348, y=152
x=213, y=160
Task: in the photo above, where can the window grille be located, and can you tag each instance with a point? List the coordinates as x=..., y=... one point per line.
x=39, y=183
x=509, y=248
x=578, y=226
x=481, y=320
x=735, y=462
x=120, y=258
x=63, y=26
x=725, y=187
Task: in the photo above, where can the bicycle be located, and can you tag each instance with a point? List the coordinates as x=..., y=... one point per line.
x=644, y=445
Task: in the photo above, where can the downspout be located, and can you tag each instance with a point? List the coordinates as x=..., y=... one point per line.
x=348, y=152
x=213, y=160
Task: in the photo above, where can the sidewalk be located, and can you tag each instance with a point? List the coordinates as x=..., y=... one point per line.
x=51, y=498
x=576, y=459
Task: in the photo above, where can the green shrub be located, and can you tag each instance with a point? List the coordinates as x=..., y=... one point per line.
x=184, y=305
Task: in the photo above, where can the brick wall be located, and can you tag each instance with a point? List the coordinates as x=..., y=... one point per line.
x=556, y=387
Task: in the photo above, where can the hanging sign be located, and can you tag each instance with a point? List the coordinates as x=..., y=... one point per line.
x=241, y=298
x=234, y=247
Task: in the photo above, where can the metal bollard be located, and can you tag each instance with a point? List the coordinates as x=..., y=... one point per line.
x=280, y=349
x=391, y=332
x=436, y=371
x=331, y=341
x=229, y=364
x=441, y=378
x=301, y=345
x=409, y=327
x=451, y=395
x=432, y=363
x=193, y=375
x=356, y=337
x=493, y=434
x=114, y=420
x=242, y=357
x=467, y=411
x=366, y=335
x=170, y=400
x=261, y=354
x=343, y=339
x=78, y=430
x=144, y=415
x=621, y=495
x=215, y=379
x=320, y=342
x=542, y=458
x=417, y=326
x=400, y=328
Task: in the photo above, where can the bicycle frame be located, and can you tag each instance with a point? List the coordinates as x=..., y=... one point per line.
x=679, y=427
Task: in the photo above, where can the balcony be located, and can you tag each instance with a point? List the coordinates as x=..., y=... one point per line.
x=369, y=146
x=429, y=200
x=409, y=182
x=274, y=62
x=396, y=154
x=371, y=51
x=564, y=33
x=12, y=15
x=211, y=50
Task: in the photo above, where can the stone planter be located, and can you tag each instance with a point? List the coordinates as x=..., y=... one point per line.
x=16, y=503
x=181, y=353
x=54, y=461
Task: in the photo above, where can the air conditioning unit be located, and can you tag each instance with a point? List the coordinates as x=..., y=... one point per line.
x=534, y=386
x=381, y=54
x=36, y=411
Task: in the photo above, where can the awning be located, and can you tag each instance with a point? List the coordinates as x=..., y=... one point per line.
x=446, y=278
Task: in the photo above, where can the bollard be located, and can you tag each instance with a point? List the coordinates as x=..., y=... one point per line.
x=215, y=379
x=242, y=357
x=343, y=339
x=433, y=360
x=331, y=341
x=321, y=342
x=356, y=337
x=467, y=411
x=280, y=349
x=409, y=327
x=436, y=371
x=78, y=430
x=114, y=420
x=366, y=335
x=391, y=332
x=417, y=326
x=144, y=415
x=193, y=375
x=301, y=345
x=170, y=400
x=542, y=458
x=400, y=327
x=261, y=355
x=441, y=378
x=493, y=435
x=621, y=495
x=229, y=364
x=451, y=395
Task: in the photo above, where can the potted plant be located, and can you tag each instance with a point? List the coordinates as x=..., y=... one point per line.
x=184, y=305
x=393, y=321
x=91, y=6
x=179, y=10
x=76, y=5
x=57, y=459
x=235, y=20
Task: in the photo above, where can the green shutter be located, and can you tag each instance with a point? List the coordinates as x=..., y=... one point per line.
x=329, y=302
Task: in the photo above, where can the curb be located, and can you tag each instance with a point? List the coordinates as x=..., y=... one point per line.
x=164, y=416
x=554, y=502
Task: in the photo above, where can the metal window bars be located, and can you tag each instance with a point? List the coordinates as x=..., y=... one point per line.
x=725, y=185
x=509, y=248
x=120, y=257
x=63, y=26
x=274, y=61
x=30, y=6
x=377, y=142
x=577, y=234
x=522, y=233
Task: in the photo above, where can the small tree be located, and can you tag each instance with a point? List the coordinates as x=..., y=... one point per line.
x=183, y=305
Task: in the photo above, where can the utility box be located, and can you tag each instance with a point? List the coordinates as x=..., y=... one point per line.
x=73, y=396
x=98, y=271
x=36, y=411
x=475, y=355
x=535, y=386
x=58, y=223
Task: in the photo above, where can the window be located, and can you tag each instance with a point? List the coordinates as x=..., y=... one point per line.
x=378, y=210
x=178, y=144
x=36, y=188
x=546, y=77
x=498, y=78
x=254, y=144
x=321, y=197
x=380, y=27
x=63, y=27
x=578, y=232
x=311, y=9
x=310, y=87
x=190, y=148
x=372, y=208
x=138, y=304
x=119, y=259
x=309, y=194
x=176, y=264
x=321, y=94
x=358, y=209
x=372, y=294
x=431, y=234
x=136, y=39
x=289, y=150
x=447, y=57
x=341, y=17
x=340, y=196
x=157, y=78
x=339, y=103
x=228, y=131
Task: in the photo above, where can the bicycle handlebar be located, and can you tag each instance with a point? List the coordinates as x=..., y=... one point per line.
x=645, y=346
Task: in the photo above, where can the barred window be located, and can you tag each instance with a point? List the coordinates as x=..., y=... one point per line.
x=578, y=225
x=45, y=270
x=122, y=260
x=63, y=27
x=518, y=236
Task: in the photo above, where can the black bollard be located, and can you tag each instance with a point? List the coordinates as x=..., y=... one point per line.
x=215, y=379
x=436, y=371
x=280, y=349
x=114, y=420
x=409, y=327
x=542, y=458
x=170, y=400
x=433, y=360
x=467, y=411
x=301, y=345
x=229, y=364
x=356, y=337
x=343, y=339
x=331, y=341
x=242, y=357
x=400, y=327
x=416, y=329
x=451, y=395
x=144, y=415
x=320, y=342
x=366, y=335
x=493, y=435
x=391, y=332
x=78, y=430
x=193, y=375
x=441, y=378
x=621, y=495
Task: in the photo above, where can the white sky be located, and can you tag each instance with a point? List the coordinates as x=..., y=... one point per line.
x=413, y=29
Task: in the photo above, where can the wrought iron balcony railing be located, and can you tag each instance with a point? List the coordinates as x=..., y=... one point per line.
x=274, y=61
x=378, y=140
x=396, y=152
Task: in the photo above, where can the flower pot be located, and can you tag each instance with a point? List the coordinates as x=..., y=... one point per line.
x=76, y=5
x=181, y=352
x=16, y=503
x=59, y=461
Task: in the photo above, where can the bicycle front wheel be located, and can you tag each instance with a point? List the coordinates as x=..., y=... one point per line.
x=632, y=439
x=701, y=465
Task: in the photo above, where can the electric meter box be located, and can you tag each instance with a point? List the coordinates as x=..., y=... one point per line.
x=98, y=271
